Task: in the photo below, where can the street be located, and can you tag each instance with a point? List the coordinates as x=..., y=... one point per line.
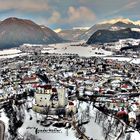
x=2, y=130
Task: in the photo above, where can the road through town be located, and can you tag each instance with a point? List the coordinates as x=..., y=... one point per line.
x=2, y=130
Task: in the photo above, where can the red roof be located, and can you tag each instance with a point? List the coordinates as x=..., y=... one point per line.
x=121, y=113
x=71, y=103
x=29, y=78
x=124, y=86
x=54, y=90
x=35, y=86
x=24, y=68
x=45, y=86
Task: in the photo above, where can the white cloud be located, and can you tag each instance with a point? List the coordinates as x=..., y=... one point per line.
x=24, y=5
x=119, y=19
x=58, y=30
x=81, y=14
x=55, y=17
x=129, y=6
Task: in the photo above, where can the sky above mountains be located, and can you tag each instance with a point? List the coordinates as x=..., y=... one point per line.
x=69, y=13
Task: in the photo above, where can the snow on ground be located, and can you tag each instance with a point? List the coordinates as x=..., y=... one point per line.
x=121, y=43
x=135, y=29
x=93, y=130
x=80, y=50
x=32, y=123
x=32, y=45
x=4, y=118
x=49, y=136
x=12, y=56
x=65, y=48
x=135, y=136
x=128, y=59
x=86, y=52
x=9, y=51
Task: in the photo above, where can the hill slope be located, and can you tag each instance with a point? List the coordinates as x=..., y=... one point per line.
x=114, y=24
x=105, y=36
x=72, y=34
x=15, y=32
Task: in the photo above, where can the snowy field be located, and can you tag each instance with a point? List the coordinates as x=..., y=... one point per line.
x=128, y=59
x=81, y=51
x=92, y=129
x=50, y=136
x=32, y=124
x=10, y=53
x=86, y=52
x=65, y=48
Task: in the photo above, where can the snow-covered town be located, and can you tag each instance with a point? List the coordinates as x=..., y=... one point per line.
x=72, y=92
x=69, y=70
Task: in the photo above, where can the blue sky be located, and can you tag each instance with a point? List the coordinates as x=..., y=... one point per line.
x=69, y=13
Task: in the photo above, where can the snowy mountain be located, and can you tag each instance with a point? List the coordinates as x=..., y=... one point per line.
x=71, y=34
x=124, y=20
x=93, y=29
x=113, y=24
x=105, y=36
x=15, y=32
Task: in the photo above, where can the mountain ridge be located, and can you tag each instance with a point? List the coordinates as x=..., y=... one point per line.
x=15, y=32
x=109, y=24
x=124, y=20
x=106, y=36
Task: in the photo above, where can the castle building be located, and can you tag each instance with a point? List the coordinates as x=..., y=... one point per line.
x=47, y=96
x=53, y=99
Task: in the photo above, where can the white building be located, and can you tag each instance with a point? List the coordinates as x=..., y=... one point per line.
x=62, y=99
x=48, y=96
x=52, y=98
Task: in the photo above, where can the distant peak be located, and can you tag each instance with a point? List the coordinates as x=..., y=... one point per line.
x=81, y=28
x=58, y=30
x=12, y=18
x=15, y=20
x=124, y=20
